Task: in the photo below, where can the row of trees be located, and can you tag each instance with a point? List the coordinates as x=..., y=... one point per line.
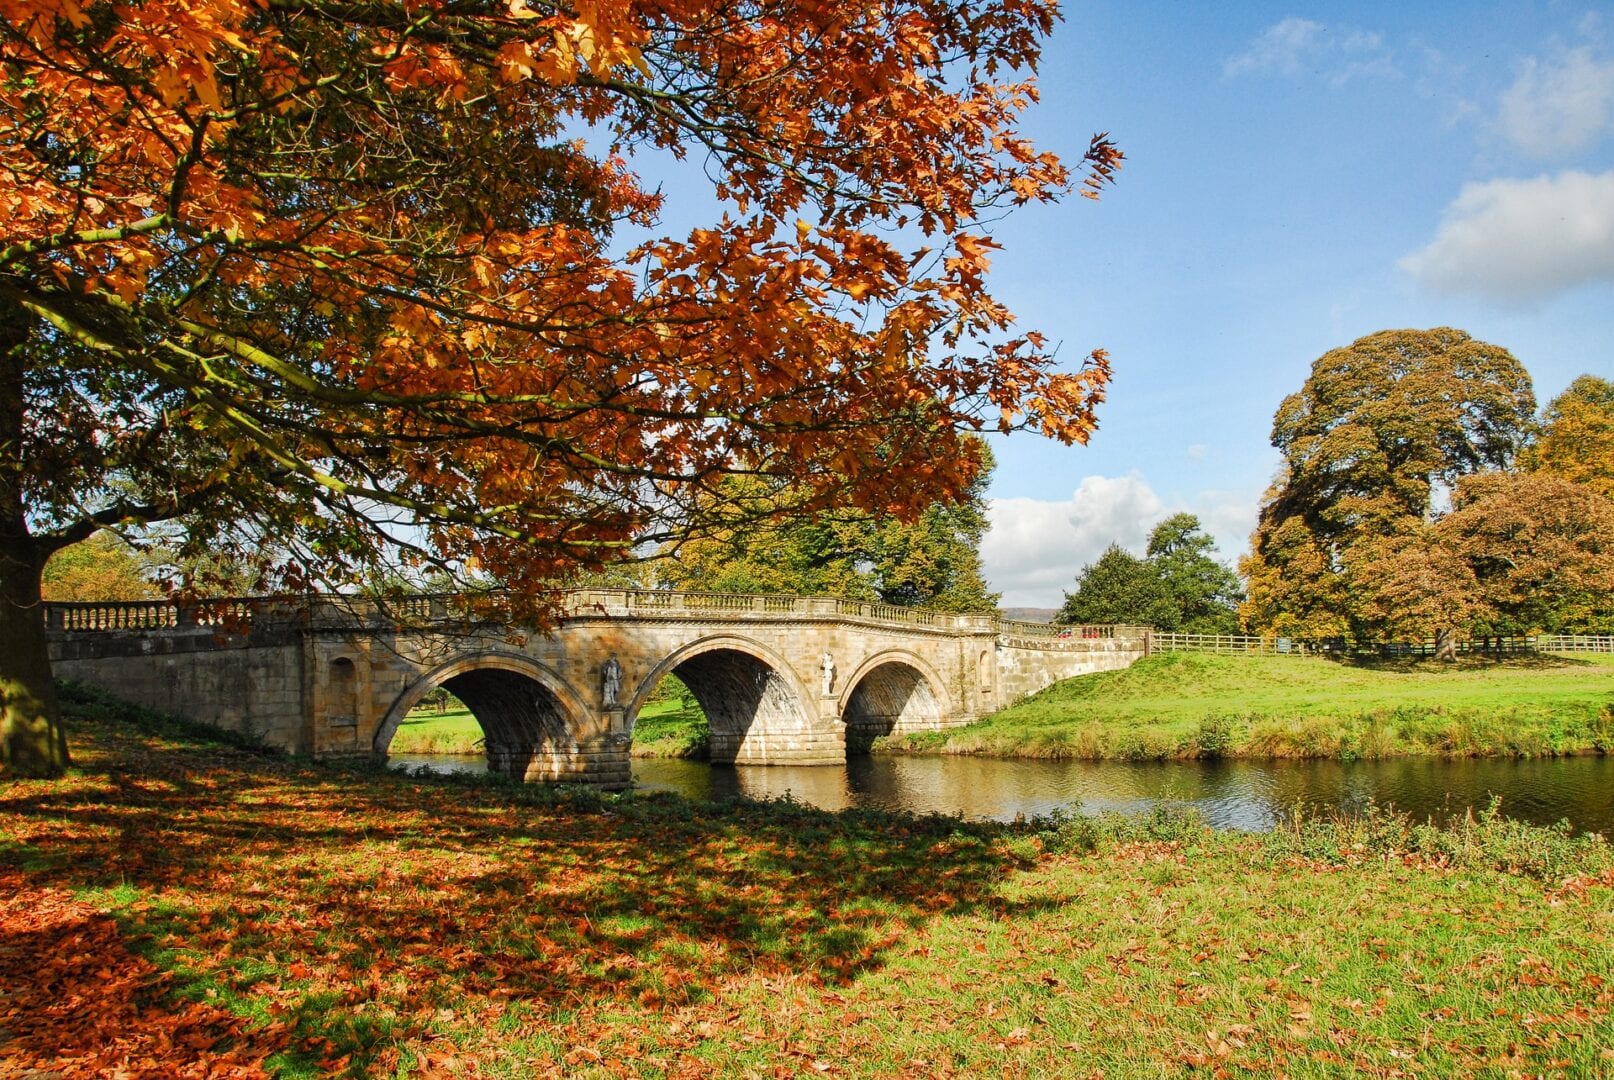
x=1419, y=496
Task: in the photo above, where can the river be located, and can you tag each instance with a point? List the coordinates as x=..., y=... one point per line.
x=1249, y=795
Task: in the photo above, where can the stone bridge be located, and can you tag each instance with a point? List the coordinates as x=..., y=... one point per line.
x=782, y=679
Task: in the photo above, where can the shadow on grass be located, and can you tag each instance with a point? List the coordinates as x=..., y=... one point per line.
x=357, y=907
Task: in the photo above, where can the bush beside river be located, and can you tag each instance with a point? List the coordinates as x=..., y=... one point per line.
x=1193, y=705
x=179, y=906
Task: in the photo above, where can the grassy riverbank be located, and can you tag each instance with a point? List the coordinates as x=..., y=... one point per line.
x=1189, y=705
x=178, y=907
x=666, y=728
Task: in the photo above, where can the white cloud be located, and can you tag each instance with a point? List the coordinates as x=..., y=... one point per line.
x=1036, y=547
x=1294, y=46
x=1516, y=242
x=1559, y=107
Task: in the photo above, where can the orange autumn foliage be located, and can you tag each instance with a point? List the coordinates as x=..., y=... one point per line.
x=344, y=280
x=355, y=245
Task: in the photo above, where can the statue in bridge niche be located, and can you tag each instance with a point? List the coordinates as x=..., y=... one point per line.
x=826, y=664
x=610, y=680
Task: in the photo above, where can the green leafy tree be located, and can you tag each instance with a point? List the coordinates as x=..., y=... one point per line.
x=1117, y=588
x=1380, y=430
x=1177, y=587
x=933, y=561
x=1204, y=594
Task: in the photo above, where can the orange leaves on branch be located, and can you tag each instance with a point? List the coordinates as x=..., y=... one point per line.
x=360, y=251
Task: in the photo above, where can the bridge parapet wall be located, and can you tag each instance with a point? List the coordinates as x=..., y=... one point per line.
x=1031, y=657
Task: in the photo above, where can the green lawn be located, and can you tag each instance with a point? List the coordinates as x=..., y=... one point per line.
x=178, y=906
x=665, y=728
x=1184, y=705
x=425, y=731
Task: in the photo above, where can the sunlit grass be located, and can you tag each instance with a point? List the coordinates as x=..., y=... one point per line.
x=1187, y=705
x=198, y=908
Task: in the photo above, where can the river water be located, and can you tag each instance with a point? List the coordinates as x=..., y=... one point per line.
x=1250, y=795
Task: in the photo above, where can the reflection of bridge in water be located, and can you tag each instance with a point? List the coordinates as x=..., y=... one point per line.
x=803, y=680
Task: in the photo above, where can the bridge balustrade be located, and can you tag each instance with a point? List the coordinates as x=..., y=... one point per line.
x=340, y=610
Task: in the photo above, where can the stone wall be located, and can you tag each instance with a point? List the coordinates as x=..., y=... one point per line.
x=241, y=682
x=1027, y=666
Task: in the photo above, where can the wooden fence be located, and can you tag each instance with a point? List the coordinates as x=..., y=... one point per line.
x=1492, y=646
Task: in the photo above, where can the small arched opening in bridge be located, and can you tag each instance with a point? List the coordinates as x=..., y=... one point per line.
x=527, y=725
x=891, y=695
x=752, y=706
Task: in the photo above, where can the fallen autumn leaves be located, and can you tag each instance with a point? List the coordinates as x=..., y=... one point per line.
x=179, y=907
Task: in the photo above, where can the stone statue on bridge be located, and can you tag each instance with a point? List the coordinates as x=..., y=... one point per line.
x=610, y=681
x=826, y=664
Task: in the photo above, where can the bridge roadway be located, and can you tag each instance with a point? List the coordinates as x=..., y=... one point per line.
x=782, y=679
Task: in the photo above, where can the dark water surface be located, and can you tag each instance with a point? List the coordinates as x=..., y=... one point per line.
x=1230, y=794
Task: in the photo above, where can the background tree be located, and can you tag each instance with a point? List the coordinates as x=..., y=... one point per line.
x=1204, y=593
x=933, y=561
x=1577, y=435
x=1379, y=433
x=338, y=276
x=1178, y=587
x=102, y=567
x=1117, y=588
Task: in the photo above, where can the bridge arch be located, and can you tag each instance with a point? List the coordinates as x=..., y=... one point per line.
x=893, y=691
x=530, y=717
x=755, y=703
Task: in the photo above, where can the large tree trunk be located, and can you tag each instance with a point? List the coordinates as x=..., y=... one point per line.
x=32, y=741
x=1446, y=644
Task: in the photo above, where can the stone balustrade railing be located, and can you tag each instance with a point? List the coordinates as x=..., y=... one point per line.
x=336, y=611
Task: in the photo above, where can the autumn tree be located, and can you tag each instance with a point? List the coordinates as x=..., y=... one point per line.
x=1372, y=444
x=380, y=280
x=1577, y=435
x=102, y=567
x=1540, y=549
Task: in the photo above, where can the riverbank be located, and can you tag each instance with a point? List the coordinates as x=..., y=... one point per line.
x=1176, y=706
x=178, y=906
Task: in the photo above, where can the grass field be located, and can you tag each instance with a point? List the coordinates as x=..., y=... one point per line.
x=1190, y=705
x=665, y=728
x=180, y=907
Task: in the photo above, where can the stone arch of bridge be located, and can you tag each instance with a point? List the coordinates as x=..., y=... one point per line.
x=893, y=691
x=528, y=713
x=758, y=709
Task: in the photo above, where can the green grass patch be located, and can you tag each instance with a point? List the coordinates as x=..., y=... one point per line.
x=672, y=727
x=1191, y=705
x=426, y=731
x=210, y=909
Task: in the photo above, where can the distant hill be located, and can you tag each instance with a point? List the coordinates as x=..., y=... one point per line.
x=1030, y=614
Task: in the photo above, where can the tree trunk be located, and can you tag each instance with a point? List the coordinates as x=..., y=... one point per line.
x=1446, y=644
x=32, y=741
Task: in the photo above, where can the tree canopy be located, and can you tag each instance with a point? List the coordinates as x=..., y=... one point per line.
x=382, y=277
x=1380, y=432
x=1177, y=587
x=932, y=561
x=1577, y=435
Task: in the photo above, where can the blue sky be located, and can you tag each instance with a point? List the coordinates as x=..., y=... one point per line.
x=1296, y=177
